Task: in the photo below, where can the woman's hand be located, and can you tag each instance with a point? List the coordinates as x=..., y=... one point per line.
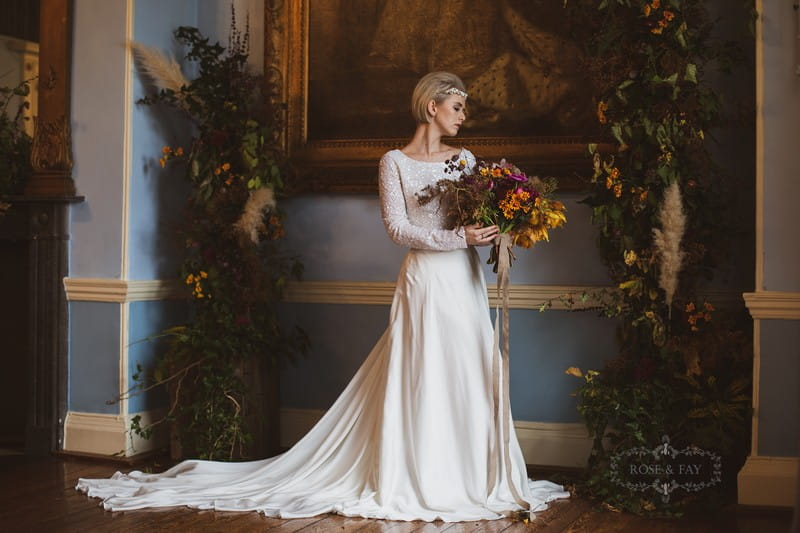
x=478, y=235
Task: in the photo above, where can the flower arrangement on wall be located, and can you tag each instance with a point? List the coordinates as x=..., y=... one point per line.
x=233, y=268
x=659, y=203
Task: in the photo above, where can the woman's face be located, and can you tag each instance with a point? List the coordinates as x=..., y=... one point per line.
x=449, y=114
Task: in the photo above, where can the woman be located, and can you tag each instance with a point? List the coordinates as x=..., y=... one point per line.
x=414, y=435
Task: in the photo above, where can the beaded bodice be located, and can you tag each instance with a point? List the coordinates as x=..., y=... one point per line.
x=407, y=221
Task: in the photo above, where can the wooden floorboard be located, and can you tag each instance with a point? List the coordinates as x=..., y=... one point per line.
x=39, y=495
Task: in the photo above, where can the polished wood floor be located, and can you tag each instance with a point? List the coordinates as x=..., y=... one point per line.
x=37, y=494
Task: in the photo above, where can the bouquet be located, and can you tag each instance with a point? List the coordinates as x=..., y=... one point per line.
x=522, y=206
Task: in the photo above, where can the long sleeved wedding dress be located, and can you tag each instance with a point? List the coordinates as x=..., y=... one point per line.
x=414, y=435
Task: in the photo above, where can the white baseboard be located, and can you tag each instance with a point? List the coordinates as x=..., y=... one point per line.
x=542, y=443
x=769, y=481
x=104, y=434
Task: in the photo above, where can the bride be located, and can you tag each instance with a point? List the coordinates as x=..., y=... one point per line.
x=414, y=435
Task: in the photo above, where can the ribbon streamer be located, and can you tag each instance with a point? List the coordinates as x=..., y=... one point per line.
x=500, y=373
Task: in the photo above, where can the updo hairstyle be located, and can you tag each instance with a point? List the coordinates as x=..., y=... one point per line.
x=432, y=86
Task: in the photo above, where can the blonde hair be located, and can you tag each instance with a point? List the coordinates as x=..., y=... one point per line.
x=432, y=86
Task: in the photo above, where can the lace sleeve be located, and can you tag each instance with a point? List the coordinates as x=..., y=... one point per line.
x=395, y=216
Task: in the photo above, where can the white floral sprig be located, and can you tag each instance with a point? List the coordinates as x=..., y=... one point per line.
x=164, y=71
x=253, y=213
x=667, y=241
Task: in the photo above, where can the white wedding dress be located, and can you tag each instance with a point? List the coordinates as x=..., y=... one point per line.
x=414, y=435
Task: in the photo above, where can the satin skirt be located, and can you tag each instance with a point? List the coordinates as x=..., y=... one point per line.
x=412, y=437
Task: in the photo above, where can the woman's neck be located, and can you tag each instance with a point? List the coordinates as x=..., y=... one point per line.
x=426, y=143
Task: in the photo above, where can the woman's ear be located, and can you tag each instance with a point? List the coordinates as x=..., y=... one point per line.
x=432, y=108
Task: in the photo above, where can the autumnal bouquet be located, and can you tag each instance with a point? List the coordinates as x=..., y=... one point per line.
x=501, y=194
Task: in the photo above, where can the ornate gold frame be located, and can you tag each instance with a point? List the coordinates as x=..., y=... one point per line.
x=351, y=165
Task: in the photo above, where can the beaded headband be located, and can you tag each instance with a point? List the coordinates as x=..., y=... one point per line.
x=453, y=90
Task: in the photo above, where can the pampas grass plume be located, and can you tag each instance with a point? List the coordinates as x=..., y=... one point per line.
x=667, y=241
x=253, y=214
x=164, y=71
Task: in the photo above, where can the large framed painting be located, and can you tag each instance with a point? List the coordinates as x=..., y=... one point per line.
x=348, y=68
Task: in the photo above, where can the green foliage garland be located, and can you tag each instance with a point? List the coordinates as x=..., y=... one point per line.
x=233, y=266
x=684, y=365
x=15, y=143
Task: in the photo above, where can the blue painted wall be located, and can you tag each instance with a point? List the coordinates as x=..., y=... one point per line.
x=342, y=237
x=94, y=357
x=781, y=111
x=779, y=385
x=147, y=321
x=157, y=195
x=98, y=136
x=779, y=396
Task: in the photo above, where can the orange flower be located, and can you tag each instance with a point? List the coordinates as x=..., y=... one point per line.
x=226, y=166
x=647, y=10
x=690, y=307
x=496, y=172
x=165, y=150
x=609, y=182
x=179, y=151
x=602, y=107
x=668, y=15
x=614, y=173
x=708, y=307
x=656, y=4
x=657, y=31
x=618, y=190
x=217, y=171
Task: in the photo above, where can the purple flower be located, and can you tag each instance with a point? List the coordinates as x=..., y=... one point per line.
x=518, y=177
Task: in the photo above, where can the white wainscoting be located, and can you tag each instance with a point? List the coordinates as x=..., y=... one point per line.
x=769, y=481
x=773, y=305
x=105, y=434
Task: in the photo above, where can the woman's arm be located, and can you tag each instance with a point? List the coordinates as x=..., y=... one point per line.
x=395, y=217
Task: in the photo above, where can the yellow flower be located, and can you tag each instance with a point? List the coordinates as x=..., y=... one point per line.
x=574, y=371
x=226, y=166
x=189, y=279
x=656, y=31
x=484, y=171
x=163, y=162
x=203, y=274
x=649, y=314
x=630, y=257
x=462, y=162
